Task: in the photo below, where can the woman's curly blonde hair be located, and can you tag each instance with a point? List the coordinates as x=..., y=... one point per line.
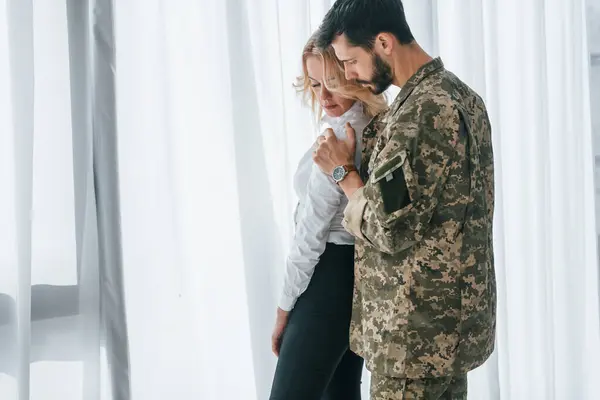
x=336, y=82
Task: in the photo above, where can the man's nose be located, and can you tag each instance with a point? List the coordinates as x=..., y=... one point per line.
x=349, y=73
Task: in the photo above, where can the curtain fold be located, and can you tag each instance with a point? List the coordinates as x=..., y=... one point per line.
x=19, y=24
x=83, y=178
x=106, y=180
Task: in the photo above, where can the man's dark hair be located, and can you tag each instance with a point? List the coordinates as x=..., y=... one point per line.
x=362, y=20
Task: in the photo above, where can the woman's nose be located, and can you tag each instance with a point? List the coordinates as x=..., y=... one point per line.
x=325, y=94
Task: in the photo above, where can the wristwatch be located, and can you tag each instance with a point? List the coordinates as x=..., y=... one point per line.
x=341, y=171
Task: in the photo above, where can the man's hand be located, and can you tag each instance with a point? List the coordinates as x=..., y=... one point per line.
x=280, y=324
x=331, y=152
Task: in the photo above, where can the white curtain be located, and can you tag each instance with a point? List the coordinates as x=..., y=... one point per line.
x=62, y=322
x=146, y=191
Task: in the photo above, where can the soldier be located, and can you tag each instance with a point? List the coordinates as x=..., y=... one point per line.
x=421, y=208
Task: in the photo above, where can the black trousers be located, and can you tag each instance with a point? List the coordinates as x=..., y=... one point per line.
x=315, y=362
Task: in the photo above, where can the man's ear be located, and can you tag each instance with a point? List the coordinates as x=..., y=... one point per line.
x=384, y=42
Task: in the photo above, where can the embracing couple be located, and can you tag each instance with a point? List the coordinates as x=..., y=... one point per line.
x=392, y=259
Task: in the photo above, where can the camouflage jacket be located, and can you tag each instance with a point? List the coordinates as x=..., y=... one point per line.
x=425, y=292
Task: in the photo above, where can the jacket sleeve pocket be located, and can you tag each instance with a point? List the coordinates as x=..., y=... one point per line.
x=392, y=179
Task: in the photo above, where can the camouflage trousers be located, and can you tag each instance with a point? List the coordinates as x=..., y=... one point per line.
x=445, y=388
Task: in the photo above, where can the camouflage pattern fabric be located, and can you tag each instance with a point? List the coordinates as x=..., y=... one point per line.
x=425, y=289
x=444, y=388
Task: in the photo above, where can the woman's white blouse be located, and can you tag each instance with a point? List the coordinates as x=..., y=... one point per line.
x=319, y=212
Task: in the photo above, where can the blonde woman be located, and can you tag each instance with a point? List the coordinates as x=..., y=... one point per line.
x=313, y=318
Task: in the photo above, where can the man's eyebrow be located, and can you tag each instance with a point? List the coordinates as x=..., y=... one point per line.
x=346, y=60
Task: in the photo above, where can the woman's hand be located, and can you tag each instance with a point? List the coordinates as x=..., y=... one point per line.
x=280, y=324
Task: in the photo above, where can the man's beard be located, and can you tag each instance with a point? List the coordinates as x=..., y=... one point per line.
x=382, y=76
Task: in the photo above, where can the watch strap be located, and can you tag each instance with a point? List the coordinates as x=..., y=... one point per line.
x=349, y=168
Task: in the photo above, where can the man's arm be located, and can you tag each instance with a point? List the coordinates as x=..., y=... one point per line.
x=392, y=210
x=351, y=183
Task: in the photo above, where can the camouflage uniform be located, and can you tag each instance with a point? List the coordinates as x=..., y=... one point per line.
x=425, y=290
x=444, y=388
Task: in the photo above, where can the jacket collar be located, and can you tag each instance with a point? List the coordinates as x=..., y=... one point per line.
x=422, y=73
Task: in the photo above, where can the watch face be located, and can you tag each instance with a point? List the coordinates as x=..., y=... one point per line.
x=338, y=173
